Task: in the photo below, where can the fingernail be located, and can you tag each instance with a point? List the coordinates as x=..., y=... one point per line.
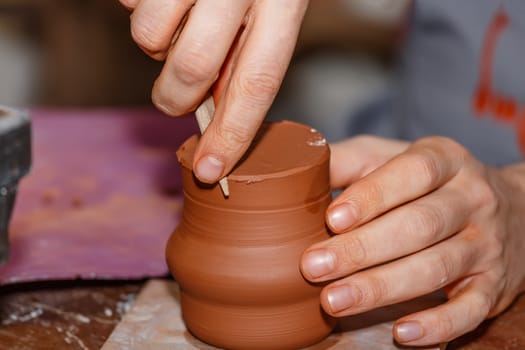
x=163, y=108
x=409, y=331
x=340, y=298
x=209, y=169
x=317, y=263
x=341, y=217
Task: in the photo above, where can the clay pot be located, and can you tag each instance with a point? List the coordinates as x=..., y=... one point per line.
x=237, y=259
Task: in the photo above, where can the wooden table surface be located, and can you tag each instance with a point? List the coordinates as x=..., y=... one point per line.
x=62, y=315
x=81, y=315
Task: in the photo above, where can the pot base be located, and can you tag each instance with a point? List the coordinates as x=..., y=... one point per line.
x=290, y=326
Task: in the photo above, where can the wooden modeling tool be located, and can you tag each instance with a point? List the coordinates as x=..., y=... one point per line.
x=204, y=114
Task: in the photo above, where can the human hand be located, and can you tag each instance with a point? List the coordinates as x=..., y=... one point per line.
x=243, y=47
x=415, y=218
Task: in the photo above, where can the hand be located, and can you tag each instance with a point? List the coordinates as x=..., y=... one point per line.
x=242, y=46
x=416, y=218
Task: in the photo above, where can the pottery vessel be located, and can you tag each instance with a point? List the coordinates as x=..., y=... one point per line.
x=236, y=259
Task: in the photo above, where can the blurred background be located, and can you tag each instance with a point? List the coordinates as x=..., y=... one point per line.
x=78, y=53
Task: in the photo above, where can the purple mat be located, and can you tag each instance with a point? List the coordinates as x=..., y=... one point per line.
x=102, y=197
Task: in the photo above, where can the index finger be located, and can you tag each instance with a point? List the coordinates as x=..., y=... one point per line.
x=273, y=28
x=423, y=167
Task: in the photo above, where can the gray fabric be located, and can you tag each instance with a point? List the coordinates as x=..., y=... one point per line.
x=440, y=72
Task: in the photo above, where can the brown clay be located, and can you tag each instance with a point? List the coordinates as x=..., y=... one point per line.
x=237, y=259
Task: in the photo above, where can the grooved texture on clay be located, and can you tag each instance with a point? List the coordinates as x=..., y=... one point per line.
x=237, y=259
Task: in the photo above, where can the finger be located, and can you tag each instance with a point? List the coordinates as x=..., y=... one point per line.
x=421, y=273
x=422, y=168
x=154, y=22
x=356, y=157
x=458, y=316
x=226, y=72
x=195, y=59
x=129, y=4
x=401, y=232
x=273, y=31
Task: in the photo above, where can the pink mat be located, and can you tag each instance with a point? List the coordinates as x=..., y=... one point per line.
x=102, y=197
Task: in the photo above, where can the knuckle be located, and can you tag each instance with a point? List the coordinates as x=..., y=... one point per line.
x=164, y=103
x=425, y=224
x=260, y=87
x=234, y=135
x=377, y=291
x=441, y=267
x=446, y=327
x=446, y=145
x=453, y=147
x=493, y=242
x=480, y=308
x=354, y=252
x=373, y=199
x=145, y=35
x=486, y=197
x=193, y=67
x=427, y=161
x=426, y=168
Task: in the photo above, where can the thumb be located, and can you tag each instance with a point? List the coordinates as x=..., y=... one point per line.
x=358, y=156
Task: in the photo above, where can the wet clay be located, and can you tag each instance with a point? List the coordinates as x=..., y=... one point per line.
x=236, y=259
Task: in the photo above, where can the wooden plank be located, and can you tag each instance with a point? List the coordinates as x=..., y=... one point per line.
x=62, y=315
